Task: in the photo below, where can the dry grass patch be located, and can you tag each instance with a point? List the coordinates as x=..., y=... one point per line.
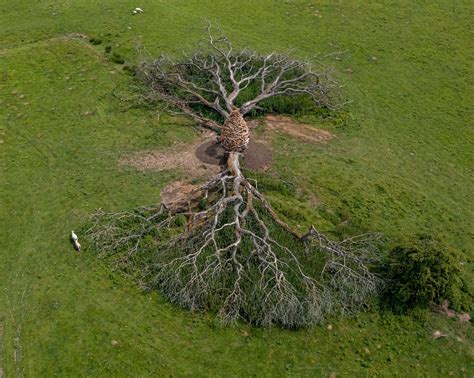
x=282, y=124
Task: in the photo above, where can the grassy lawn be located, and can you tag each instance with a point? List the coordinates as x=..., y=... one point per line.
x=401, y=163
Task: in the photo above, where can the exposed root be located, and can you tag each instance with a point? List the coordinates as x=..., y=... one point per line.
x=236, y=257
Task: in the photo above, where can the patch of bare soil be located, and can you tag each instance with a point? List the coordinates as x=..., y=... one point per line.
x=177, y=192
x=444, y=309
x=206, y=157
x=257, y=156
x=277, y=123
x=211, y=152
x=180, y=157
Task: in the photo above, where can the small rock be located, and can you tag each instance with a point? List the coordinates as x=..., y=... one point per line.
x=464, y=317
x=114, y=342
x=329, y=327
x=437, y=334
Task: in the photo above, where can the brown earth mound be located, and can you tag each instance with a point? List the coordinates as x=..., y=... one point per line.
x=211, y=152
x=257, y=156
x=177, y=192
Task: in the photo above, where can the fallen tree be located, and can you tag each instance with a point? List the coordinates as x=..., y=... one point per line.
x=223, y=247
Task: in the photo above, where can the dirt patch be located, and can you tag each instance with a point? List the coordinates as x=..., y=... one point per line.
x=180, y=157
x=177, y=192
x=274, y=123
x=257, y=156
x=205, y=157
x=211, y=152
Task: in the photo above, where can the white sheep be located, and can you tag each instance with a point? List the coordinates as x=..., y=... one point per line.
x=75, y=241
x=77, y=246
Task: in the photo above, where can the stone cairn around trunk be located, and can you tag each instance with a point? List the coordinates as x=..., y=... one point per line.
x=235, y=133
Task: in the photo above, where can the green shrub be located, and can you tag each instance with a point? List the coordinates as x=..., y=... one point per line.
x=421, y=271
x=108, y=49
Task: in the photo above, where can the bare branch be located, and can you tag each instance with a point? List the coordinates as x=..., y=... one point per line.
x=217, y=75
x=230, y=257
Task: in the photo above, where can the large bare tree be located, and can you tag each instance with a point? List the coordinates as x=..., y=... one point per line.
x=223, y=246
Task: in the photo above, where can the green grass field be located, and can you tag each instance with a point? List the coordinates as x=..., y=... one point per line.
x=401, y=163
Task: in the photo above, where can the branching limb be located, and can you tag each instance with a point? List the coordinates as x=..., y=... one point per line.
x=212, y=79
x=233, y=257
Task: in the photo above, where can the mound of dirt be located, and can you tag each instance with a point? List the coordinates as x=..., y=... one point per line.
x=257, y=156
x=211, y=152
x=177, y=192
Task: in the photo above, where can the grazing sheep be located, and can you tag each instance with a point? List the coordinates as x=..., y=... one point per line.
x=77, y=246
x=73, y=236
x=75, y=241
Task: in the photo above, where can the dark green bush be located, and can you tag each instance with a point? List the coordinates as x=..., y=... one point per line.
x=421, y=271
x=108, y=49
